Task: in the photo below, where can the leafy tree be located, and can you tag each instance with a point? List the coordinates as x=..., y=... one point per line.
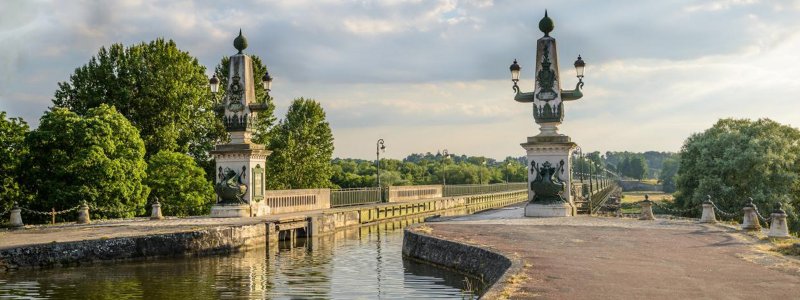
x=669, y=173
x=302, y=146
x=637, y=167
x=12, y=149
x=162, y=90
x=179, y=184
x=265, y=120
x=739, y=158
x=98, y=158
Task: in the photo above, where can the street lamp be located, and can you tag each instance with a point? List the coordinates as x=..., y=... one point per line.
x=480, y=174
x=379, y=147
x=214, y=83
x=508, y=170
x=266, y=82
x=445, y=155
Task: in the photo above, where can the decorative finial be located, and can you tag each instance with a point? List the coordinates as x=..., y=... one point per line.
x=240, y=43
x=546, y=24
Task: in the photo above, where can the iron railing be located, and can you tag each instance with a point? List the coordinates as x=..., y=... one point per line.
x=473, y=189
x=356, y=196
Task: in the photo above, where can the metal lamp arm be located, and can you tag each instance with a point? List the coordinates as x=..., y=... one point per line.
x=573, y=94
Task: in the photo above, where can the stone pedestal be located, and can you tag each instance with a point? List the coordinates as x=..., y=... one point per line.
x=156, y=212
x=647, y=210
x=83, y=215
x=750, y=219
x=16, y=217
x=548, y=210
x=553, y=149
x=248, y=160
x=230, y=211
x=778, y=227
x=708, y=214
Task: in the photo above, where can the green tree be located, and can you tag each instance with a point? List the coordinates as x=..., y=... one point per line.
x=302, y=147
x=637, y=167
x=265, y=120
x=98, y=158
x=739, y=158
x=179, y=184
x=162, y=90
x=669, y=173
x=12, y=149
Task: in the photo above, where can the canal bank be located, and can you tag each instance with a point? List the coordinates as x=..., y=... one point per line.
x=68, y=245
x=362, y=262
x=604, y=258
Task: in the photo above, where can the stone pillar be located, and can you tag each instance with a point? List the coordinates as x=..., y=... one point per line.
x=16, y=216
x=708, y=212
x=647, y=209
x=549, y=159
x=156, y=211
x=778, y=227
x=83, y=214
x=750, y=219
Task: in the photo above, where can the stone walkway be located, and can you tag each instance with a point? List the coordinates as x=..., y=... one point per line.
x=613, y=258
x=69, y=232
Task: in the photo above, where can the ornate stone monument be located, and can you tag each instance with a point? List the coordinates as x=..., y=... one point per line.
x=240, y=178
x=549, y=153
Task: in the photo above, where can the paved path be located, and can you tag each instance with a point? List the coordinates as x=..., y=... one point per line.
x=613, y=258
x=42, y=234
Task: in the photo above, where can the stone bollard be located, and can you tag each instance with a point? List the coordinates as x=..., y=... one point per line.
x=16, y=216
x=778, y=227
x=647, y=209
x=708, y=212
x=156, y=214
x=750, y=219
x=83, y=214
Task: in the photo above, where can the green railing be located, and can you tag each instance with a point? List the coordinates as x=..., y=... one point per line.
x=356, y=196
x=474, y=189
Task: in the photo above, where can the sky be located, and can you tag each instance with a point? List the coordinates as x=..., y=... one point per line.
x=431, y=75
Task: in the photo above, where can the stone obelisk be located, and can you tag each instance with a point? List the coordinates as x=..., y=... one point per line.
x=549, y=153
x=240, y=179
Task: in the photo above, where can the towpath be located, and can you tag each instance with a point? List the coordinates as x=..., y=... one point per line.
x=614, y=258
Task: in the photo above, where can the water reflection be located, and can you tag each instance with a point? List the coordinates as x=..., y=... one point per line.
x=361, y=263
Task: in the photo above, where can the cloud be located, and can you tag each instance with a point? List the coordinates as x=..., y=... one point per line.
x=433, y=74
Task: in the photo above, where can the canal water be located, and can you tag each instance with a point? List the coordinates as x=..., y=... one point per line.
x=362, y=263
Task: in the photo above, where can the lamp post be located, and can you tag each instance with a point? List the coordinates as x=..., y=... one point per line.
x=445, y=155
x=480, y=174
x=379, y=147
x=508, y=170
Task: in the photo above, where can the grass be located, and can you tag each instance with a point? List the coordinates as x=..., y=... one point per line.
x=630, y=197
x=788, y=246
x=424, y=229
x=513, y=284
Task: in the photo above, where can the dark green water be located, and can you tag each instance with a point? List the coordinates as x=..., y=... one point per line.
x=364, y=263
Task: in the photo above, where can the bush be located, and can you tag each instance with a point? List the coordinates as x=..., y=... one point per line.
x=98, y=158
x=179, y=184
x=737, y=159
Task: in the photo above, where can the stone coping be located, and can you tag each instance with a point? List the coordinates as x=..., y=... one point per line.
x=488, y=265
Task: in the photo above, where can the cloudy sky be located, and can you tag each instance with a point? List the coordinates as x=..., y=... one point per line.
x=433, y=74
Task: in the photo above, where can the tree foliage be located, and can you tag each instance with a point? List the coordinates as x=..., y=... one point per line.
x=12, y=149
x=669, y=174
x=98, y=157
x=179, y=184
x=162, y=90
x=302, y=147
x=423, y=169
x=265, y=120
x=738, y=158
